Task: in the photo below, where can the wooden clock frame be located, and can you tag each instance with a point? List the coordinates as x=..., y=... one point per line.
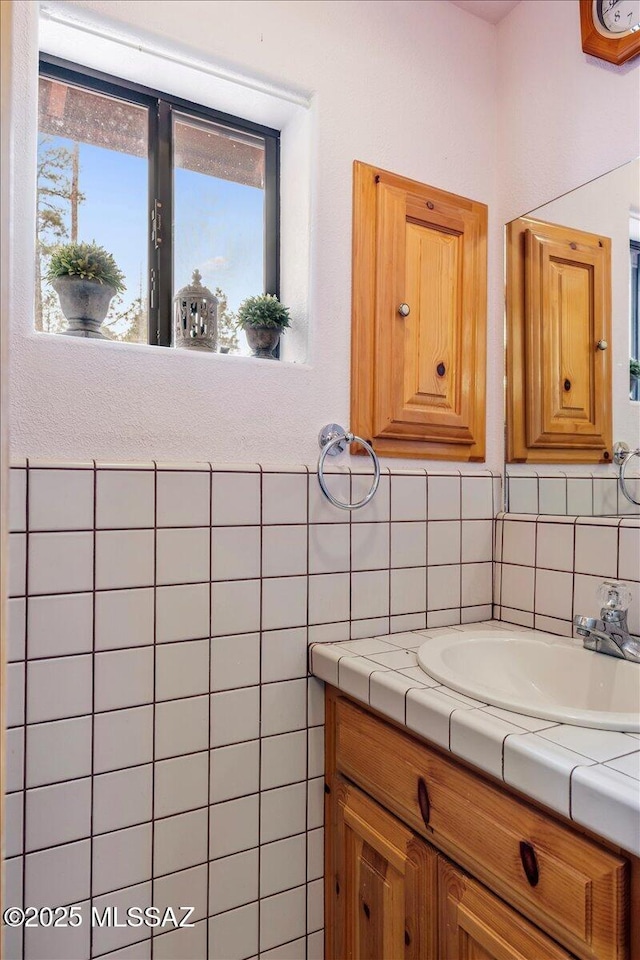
x=613, y=49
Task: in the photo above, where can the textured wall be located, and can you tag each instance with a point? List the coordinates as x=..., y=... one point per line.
x=383, y=89
x=563, y=117
x=428, y=109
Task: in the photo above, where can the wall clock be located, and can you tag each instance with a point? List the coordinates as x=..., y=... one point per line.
x=610, y=29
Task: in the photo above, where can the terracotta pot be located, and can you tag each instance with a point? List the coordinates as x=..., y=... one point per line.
x=85, y=304
x=263, y=340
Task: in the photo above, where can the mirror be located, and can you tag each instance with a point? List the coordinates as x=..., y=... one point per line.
x=608, y=207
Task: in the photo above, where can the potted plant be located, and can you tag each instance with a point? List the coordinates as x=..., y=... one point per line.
x=634, y=375
x=263, y=318
x=86, y=278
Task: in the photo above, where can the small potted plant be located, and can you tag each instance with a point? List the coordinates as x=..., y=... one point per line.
x=263, y=319
x=634, y=375
x=86, y=278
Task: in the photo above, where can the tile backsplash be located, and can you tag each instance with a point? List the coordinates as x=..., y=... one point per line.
x=165, y=743
x=530, y=490
x=548, y=568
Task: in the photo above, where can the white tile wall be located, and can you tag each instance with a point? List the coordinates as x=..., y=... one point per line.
x=594, y=494
x=552, y=567
x=160, y=715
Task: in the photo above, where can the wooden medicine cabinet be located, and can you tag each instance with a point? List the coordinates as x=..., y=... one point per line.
x=418, y=353
x=558, y=344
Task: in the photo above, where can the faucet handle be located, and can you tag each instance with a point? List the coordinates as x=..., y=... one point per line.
x=614, y=597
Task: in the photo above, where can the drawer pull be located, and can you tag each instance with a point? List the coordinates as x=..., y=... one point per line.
x=423, y=801
x=529, y=862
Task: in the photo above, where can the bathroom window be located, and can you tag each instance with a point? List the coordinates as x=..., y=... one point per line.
x=164, y=185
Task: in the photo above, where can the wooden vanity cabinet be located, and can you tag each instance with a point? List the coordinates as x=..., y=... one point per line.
x=427, y=859
x=419, y=304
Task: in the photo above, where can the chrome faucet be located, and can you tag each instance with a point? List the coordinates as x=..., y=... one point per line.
x=610, y=634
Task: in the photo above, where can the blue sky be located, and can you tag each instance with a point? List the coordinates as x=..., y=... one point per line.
x=218, y=224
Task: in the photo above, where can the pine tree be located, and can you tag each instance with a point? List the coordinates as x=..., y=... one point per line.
x=58, y=199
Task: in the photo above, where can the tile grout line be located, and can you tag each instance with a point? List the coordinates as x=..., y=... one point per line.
x=155, y=678
x=93, y=697
x=172, y=816
x=351, y=558
x=426, y=558
x=389, y=574
x=535, y=570
x=460, y=514
x=573, y=572
x=306, y=809
x=195, y=583
x=260, y=707
x=209, y=748
x=25, y=703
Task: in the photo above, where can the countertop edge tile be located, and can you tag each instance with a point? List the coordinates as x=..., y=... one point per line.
x=591, y=787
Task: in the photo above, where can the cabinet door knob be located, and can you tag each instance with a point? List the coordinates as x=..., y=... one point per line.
x=529, y=862
x=601, y=345
x=423, y=801
x=404, y=309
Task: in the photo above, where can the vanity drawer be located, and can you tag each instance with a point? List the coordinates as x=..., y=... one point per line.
x=568, y=885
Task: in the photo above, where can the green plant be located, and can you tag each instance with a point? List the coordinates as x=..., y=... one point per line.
x=87, y=261
x=263, y=311
x=634, y=367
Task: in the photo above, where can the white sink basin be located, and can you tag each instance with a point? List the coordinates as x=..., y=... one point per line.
x=543, y=677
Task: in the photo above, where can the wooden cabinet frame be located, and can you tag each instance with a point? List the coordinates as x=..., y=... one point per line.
x=451, y=427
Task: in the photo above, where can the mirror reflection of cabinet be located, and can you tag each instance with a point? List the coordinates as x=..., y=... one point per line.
x=558, y=344
x=419, y=318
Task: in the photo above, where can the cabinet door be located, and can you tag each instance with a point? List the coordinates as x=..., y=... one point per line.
x=559, y=319
x=419, y=318
x=383, y=884
x=475, y=925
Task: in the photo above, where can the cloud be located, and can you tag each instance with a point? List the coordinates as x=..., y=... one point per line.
x=215, y=263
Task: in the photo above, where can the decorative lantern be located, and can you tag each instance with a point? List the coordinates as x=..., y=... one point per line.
x=195, y=316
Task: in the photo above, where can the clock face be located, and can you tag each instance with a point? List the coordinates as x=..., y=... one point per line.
x=616, y=18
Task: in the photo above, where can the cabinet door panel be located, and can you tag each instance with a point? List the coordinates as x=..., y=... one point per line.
x=430, y=376
x=476, y=925
x=384, y=886
x=418, y=381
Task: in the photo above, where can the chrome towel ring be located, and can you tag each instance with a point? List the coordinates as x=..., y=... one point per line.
x=332, y=440
x=621, y=456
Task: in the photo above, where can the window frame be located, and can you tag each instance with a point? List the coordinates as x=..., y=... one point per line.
x=634, y=251
x=160, y=107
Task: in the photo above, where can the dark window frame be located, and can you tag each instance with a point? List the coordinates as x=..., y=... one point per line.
x=160, y=107
x=634, y=250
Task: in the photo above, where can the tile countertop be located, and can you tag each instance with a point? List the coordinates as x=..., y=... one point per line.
x=590, y=776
